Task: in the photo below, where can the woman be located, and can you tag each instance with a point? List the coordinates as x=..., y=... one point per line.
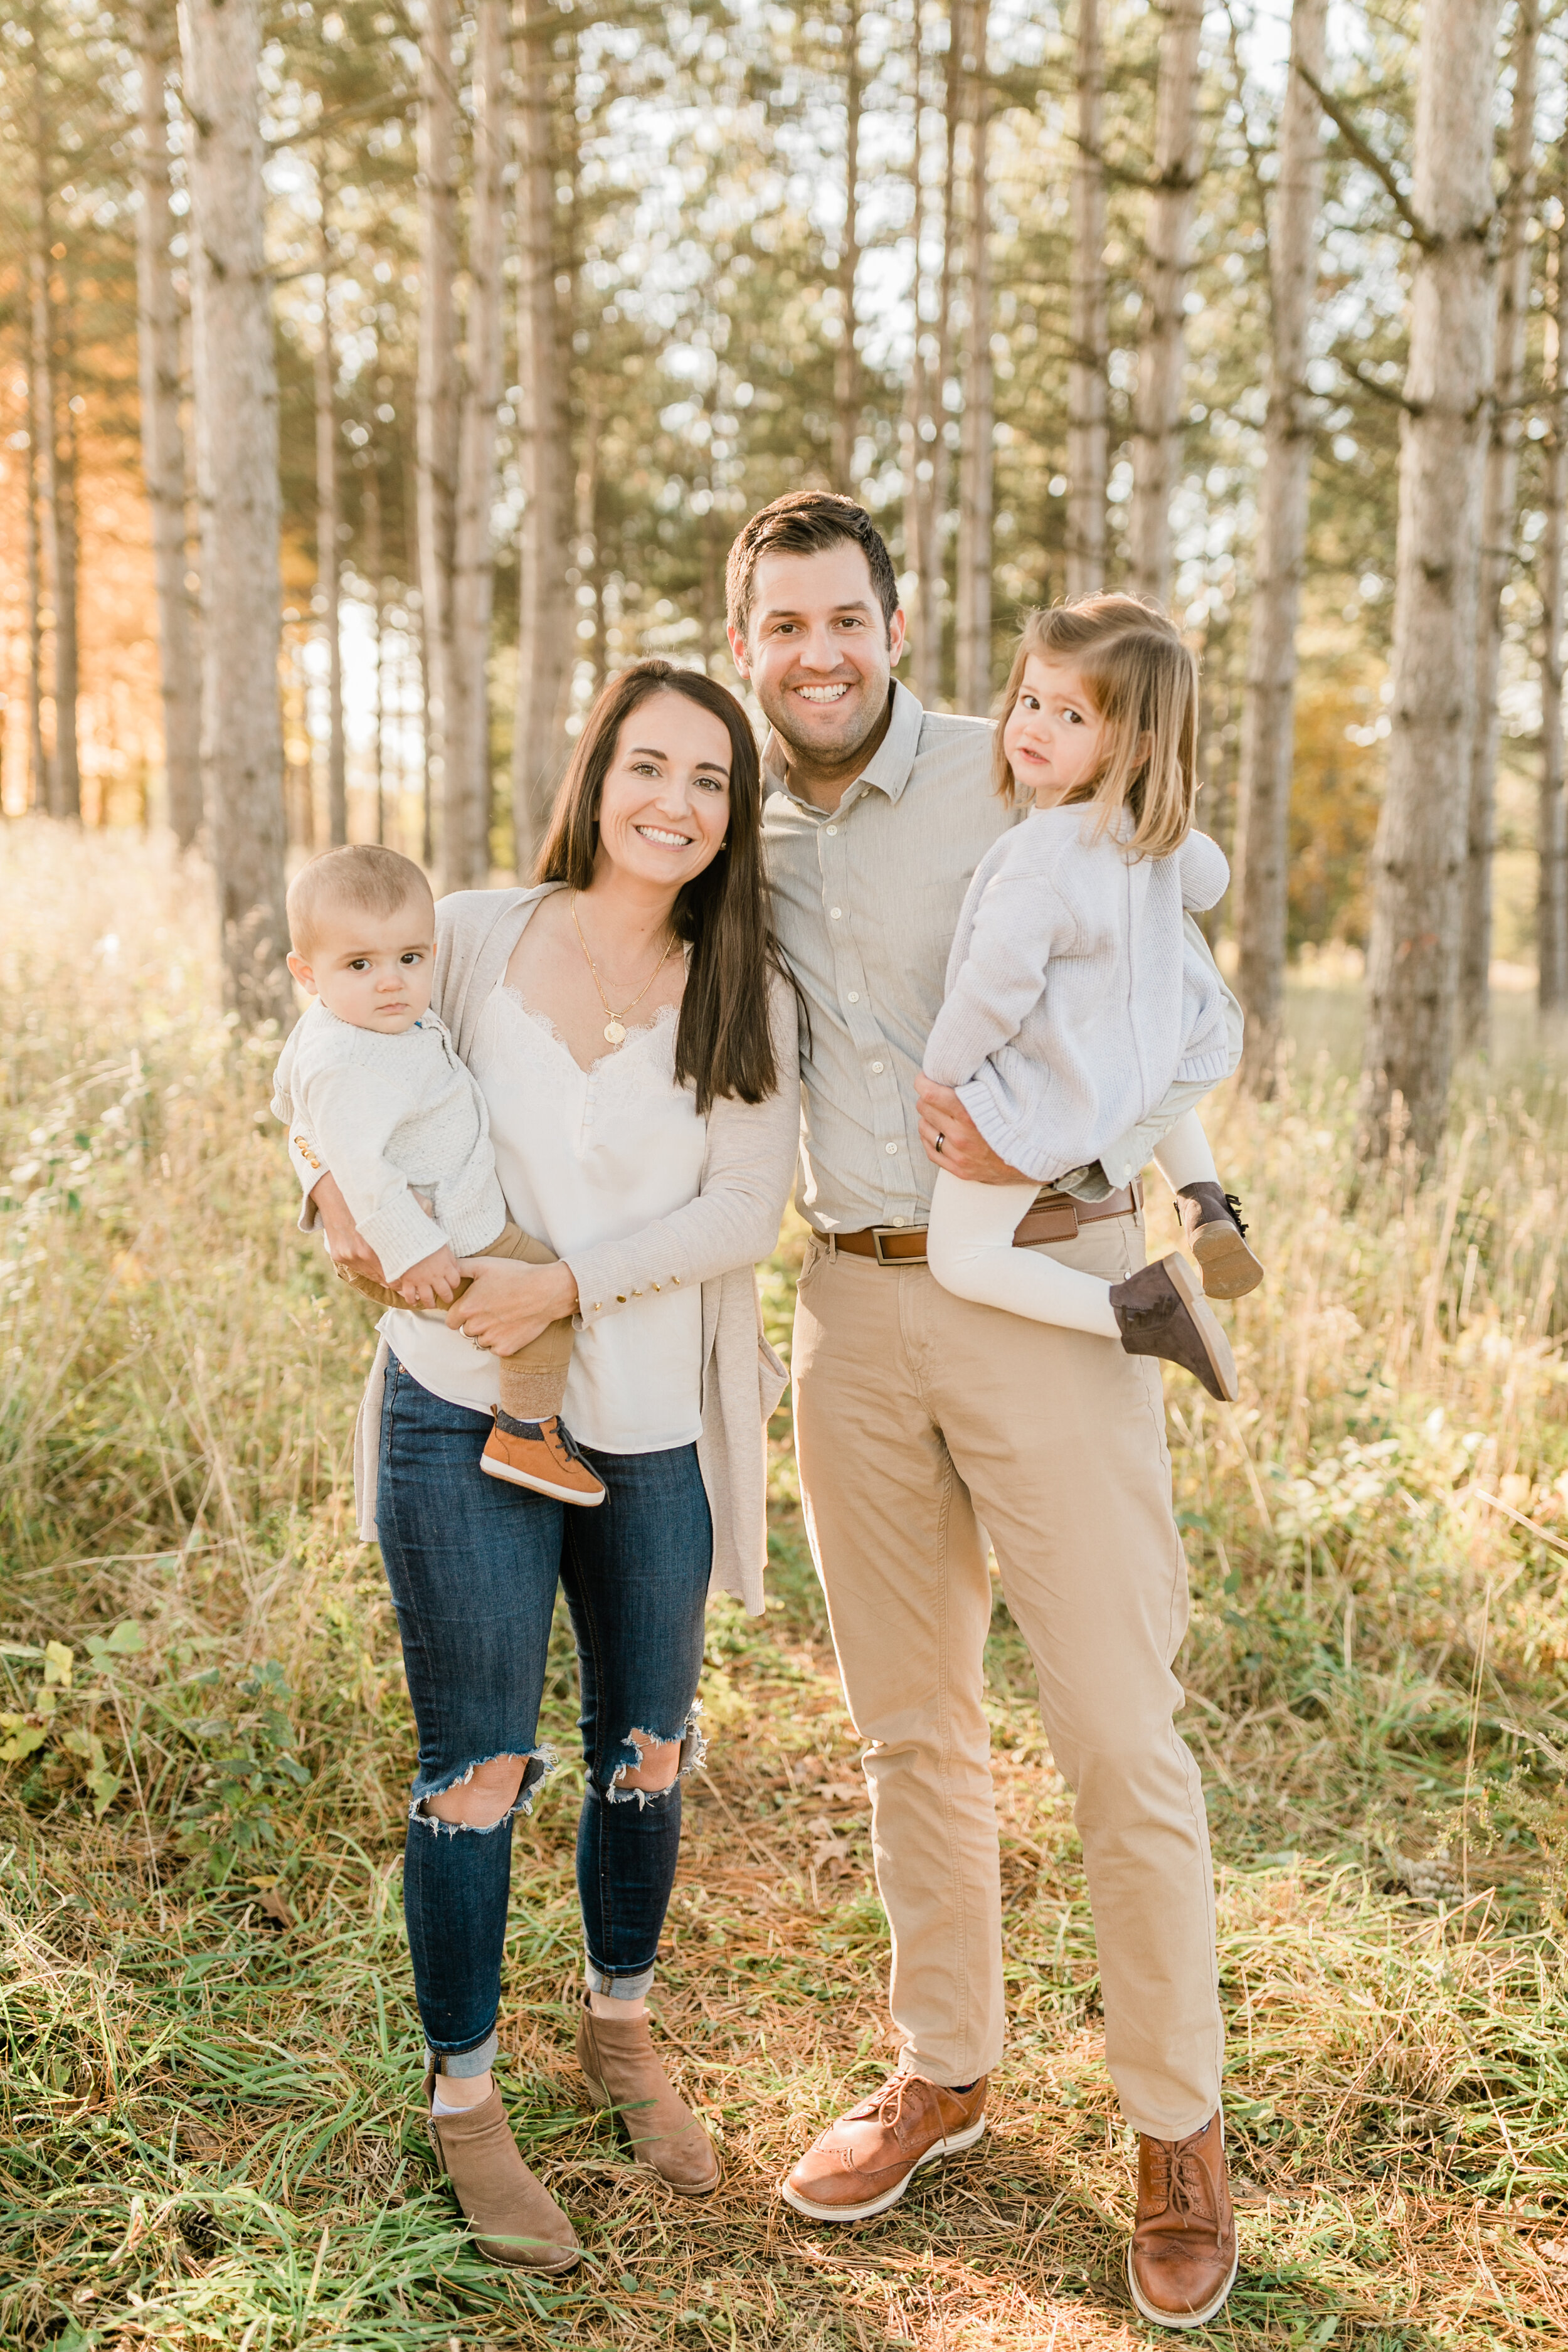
x=631, y=1028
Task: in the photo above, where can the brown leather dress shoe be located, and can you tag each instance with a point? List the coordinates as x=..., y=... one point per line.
x=1211, y=1219
x=1161, y=1311
x=622, y=2071
x=513, y=2217
x=1182, y=2262
x=540, y=1454
x=864, y=2162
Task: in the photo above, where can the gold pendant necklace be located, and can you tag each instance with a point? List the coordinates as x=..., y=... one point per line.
x=615, y=1026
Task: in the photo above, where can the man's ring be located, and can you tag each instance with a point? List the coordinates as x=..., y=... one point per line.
x=941, y=1139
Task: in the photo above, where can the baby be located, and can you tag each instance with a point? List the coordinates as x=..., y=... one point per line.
x=371, y=1073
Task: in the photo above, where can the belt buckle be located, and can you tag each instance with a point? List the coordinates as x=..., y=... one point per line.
x=878, y=1235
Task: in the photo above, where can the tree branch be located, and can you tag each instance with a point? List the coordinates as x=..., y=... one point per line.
x=1366, y=154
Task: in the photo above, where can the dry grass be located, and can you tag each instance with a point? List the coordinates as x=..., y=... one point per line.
x=209, y=2136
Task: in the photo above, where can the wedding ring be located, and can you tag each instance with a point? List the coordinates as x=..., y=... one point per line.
x=941, y=1139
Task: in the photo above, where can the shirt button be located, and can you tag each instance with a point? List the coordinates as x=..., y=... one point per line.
x=835, y=912
x=899, y=1221
x=833, y=828
x=892, y=1146
x=877, y=1066
x=854, y=997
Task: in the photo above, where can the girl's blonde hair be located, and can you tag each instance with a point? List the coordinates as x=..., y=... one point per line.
x=1144, y=683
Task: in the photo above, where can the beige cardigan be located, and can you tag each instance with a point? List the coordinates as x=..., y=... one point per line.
x=747, y=1168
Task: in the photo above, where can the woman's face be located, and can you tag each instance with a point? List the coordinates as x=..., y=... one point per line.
x=665, y=807
x=1054, y=734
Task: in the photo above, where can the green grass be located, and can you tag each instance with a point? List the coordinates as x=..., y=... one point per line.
x=211, y=2135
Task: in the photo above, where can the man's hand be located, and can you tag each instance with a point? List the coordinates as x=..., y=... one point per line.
x=510, y=1304
x=964, y=1150
x=432, y=1281
x=345, y=1245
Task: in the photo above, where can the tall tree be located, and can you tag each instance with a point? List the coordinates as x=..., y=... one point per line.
x=1552, y=813
x=327, y=566
x=55, y=466
x=846, y=358
x=917, y=465
x=163, y=434
x=38, y=758
x=237, y=480
x=1413, y=957
x=437, y=396
x=977, y=431
x=1268, y=726
x=546, y=612
x=1498, y=526
x=929, y=666
x=468, y=789
x=1162, y=342
x=1089, y=435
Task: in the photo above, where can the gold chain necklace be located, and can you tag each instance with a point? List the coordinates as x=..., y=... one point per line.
x=615, y=1026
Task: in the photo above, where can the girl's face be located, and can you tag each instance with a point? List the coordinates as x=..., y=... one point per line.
x=665, y=807
x=1054, y=735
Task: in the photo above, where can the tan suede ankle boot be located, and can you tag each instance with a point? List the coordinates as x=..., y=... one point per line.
x=617, y=2056
x=514, y=2216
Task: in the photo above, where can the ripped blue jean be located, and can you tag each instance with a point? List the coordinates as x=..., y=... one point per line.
x=473, y=1565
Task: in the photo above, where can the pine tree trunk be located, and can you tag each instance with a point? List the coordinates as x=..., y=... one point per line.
x=436, y=395
x=56, y=505
x=375, y=566
x=976, y=457
x=1551, y=815
x=929, y=663
x=38, y=759
x=1162, y=343
x=1088, y=433
x=546, y=610
x=1412, y=960
x=1268, y=725
x=163, y=434
x=469, y=792
x=846, y=359
x=917, y=397
x=236, y=476
x=68, y=764
x=1499, y=524
x=327, y=568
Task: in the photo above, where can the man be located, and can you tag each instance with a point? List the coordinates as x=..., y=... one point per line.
x=916, y=1411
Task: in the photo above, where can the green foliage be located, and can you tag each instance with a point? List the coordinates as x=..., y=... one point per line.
x=246, y=1768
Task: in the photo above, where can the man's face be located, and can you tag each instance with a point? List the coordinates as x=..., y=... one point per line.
x=817, y=651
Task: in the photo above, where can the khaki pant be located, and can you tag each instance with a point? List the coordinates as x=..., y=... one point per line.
x=916, y=1411
x=533, y=1381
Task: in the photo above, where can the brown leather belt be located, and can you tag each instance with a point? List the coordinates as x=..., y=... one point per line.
x=1055, y=1217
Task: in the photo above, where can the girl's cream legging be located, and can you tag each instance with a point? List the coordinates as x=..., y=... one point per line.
x=969, y=1247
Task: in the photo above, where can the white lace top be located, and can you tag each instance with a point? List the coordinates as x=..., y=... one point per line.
x=586, y=1156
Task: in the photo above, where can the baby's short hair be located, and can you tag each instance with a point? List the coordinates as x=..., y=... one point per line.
x=361, y=879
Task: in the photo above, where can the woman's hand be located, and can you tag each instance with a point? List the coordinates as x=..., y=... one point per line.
x=964, y=1151
x=349, y=1252
x=508, y=1304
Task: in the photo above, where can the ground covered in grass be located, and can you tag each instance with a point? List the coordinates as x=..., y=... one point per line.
x=209, y=2128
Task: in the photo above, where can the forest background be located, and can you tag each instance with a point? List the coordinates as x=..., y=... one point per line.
x=498, y=324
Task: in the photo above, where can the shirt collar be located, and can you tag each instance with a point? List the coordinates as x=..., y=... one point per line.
x=890, y=766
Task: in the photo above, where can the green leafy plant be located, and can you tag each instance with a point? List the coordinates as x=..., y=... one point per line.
x=61, y=1717
x=247, y=1766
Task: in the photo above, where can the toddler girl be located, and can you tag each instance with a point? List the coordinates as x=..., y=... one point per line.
x=1071, y=1008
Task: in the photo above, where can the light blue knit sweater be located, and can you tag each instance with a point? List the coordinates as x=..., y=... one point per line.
x=1071, y=1005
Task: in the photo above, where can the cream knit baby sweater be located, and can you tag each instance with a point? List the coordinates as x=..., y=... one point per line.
x=1070, y=1008
x=394, y=1118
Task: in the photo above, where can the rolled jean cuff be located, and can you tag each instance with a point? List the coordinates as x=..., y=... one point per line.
x=617, y=1988
x=466, y=2062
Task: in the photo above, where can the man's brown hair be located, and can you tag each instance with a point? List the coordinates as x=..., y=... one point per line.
x=803, y=523
x=362, y=879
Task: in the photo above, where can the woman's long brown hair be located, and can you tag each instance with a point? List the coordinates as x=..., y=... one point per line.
x=723, y=1044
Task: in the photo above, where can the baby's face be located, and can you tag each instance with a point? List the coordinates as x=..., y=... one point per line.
x=375, y=972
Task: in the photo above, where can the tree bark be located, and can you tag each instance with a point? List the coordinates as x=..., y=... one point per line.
x=326, y=567
x=56, y=477
x=1413, y=961
x=546, y=610
x=1161, y=342
x=1268, y=724
x=236, y=476
x=929, y=664
x=467, y=788
x=846, y=359
x=163, y=434
x=1499, y=524
x=1089, y=391
x=1551, y=815
x=977, y=456
x=38, y=759
x=917, y=397
x=436, y=394
x=375, y=568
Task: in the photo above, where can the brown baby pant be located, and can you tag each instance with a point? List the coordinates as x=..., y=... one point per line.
x=533, y=1381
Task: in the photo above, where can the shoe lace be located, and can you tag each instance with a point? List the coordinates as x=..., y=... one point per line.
x=566, y=1446
x=1233, y=1204
x=1180, y=2183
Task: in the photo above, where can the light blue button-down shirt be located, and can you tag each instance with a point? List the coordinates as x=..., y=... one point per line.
x=866, y=901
